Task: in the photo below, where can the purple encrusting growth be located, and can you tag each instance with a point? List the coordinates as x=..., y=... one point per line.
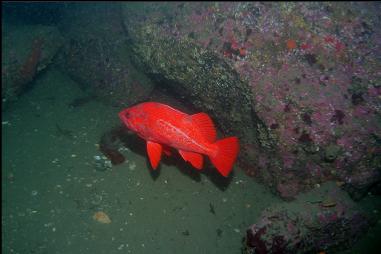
x=325, y=220
x=313, y=74
x=310, y=97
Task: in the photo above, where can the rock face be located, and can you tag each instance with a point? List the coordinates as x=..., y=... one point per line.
x=299, y=83
x=27, y=50
x=322, y=220
x=97, y=54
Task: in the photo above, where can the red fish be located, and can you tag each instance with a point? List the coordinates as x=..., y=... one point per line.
x=192, y=135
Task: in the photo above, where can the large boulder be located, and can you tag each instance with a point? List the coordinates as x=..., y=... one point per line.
x=97, y=54
x=324, y=220
x=299, y=83
x=27, y=50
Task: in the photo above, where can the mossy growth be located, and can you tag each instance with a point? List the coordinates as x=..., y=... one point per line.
x=332, y=151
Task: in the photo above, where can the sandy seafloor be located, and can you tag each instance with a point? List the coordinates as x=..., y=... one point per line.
x=51, y=188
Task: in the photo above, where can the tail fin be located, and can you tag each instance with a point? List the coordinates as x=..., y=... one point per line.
x=226, y=154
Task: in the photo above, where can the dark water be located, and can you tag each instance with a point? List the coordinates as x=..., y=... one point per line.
x=55, y=179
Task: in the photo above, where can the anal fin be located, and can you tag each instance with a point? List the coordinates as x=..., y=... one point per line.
x=167, y=150
x=154, y=151
x=195, y=159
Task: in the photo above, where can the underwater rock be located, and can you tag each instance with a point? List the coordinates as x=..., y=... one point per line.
x=81, y=101
x=97, y=55
x=27, y=50
x=102, y=217
x=288, y=190
x=325, y=219
x=110, y=143
x=301, y=96
x=331, y=152
x=362, y=180
x=189, y=71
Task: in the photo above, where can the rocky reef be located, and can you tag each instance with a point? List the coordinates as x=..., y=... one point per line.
x=298, y=82
x=324, y=220
x=27, y=50
x=97, y=55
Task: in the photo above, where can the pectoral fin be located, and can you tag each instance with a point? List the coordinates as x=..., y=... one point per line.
x=154, y=153
x=194, y=158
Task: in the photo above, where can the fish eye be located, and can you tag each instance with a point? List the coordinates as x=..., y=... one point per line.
x=127, y=114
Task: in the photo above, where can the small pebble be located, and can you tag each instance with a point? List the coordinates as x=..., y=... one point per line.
x=102, y=217
x=132, y=166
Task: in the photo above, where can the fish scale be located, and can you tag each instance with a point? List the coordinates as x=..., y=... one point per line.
x=162, y=126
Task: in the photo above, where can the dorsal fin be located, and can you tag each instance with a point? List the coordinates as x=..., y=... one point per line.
x=194, y=158
x=154, y=153
x=206, y=126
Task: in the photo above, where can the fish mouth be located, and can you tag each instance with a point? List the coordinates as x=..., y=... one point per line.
x=124, y=116
x=124, y=113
